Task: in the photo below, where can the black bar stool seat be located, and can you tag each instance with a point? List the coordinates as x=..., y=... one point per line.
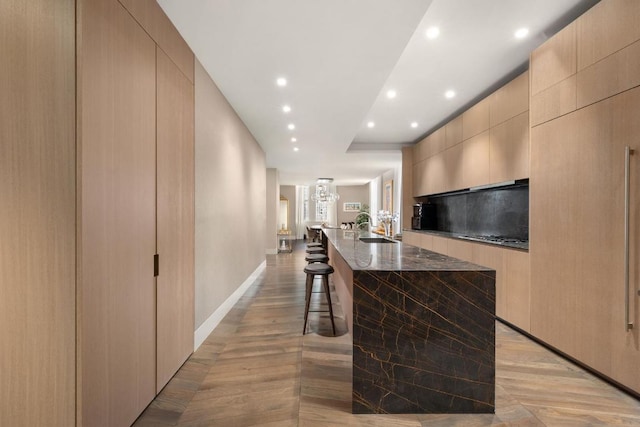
x=314, y=245
x=311, y=258
x=323, y=270
x=315, y=250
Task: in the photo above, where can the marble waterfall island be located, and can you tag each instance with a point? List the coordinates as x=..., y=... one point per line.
x=423, y=327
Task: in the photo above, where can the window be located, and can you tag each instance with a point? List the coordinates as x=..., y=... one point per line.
x=305, y=204
x=321, y=211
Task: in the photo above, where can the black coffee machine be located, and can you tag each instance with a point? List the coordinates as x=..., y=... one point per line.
x=424, y=217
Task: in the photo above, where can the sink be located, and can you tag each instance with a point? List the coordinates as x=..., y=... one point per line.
x=376, y=240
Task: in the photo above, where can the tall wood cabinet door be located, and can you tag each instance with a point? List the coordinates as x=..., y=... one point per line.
x=175, y=282
x=117, y=97
x=625, y=345
x=590, y=192
x=37, y=213
x=554, y=215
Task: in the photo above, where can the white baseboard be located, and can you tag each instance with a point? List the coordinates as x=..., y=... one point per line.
x=216, y=317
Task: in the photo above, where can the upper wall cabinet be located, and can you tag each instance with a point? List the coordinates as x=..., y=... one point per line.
x=476, y=119
x=489, y=143
x=608, y=50
x=554, y=61
x=553, y=84
x=605, y=29
x=453, y=132
x=509, y=149
x=509, y=101
x=151, y=17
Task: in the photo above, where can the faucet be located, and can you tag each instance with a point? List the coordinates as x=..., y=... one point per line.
x=368, y=222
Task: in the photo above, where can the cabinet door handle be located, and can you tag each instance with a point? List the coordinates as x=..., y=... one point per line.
x=627, y=181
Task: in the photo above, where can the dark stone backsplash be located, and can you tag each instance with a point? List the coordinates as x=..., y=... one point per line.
x=497, y=211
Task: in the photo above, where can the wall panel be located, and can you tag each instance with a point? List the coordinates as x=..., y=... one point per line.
x=175, y=204
x=117, y=99
x=37, y=213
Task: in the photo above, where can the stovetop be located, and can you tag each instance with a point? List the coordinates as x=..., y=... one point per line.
x=496, y=240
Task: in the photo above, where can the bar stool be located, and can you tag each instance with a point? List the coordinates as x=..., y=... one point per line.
x=311, y=258
x=316, y=251
x=323, y=270
x=314, y=245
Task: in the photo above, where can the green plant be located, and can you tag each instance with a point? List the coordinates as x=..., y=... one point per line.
x=361, y=219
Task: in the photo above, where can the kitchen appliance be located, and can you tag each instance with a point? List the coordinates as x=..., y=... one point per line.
x=424, y=217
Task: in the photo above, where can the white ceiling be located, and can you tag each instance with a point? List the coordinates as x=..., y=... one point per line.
x=341, y=56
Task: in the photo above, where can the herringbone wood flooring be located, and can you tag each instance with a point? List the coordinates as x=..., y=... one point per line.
x=257, y=369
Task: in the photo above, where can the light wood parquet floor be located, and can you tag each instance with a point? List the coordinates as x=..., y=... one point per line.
x=257, y=369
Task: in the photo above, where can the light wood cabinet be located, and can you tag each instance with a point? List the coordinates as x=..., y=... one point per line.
x=453, y=132
x=411, y=238
x=475, y=161
x=553, y=76
x=419, y=187
x=434, y=176
x=577, y=198
x=175, y=229
x=426, y=241
x=509, y=149
x=552, y=244
x=151, y=17
x=510, y=100
x=460, y=249
x=493, y=257
x=516, y=289
x=440, y=245
x=606, y=28
x=118, y=215
x=612, y=75
x=452, y=169
x=407, y=186
x=476, y=119
x=554, y=61
x=489, y=143
x=37, y=213
x=554, y=102
x=577, y=293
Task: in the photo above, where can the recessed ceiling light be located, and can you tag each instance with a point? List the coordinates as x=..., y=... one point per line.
x=294, y=139
x=449, y=94
x=414, y=124
x=291, y=126
x=286, y=108
x=370, y=124
x=281, y=82
x=296, y=149
x=391, y=94
x=521, y=33
x=432, y=33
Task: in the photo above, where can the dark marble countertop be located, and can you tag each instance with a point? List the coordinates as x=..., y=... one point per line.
x=524, y=246
x=391, y=256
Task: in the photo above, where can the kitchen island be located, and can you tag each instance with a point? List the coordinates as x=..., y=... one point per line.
x=422, y=325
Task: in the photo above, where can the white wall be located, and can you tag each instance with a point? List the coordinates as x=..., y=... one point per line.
x=351, y=193
x=272, y=209
x=376, y=188
x=230, y=199
x=289, y=193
